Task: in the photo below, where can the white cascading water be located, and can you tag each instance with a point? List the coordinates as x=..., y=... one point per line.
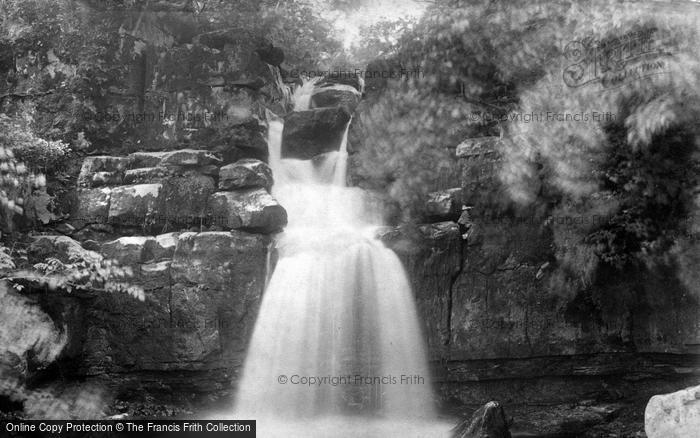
x=338, y=309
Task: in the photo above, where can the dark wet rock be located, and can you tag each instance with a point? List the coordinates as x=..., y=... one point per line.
x=250, y=209
x=489, y=421
x=313, y=132
x=247, y=173
x=585, y=418
x=431, y=255
x=336, y=95
x=674, y=415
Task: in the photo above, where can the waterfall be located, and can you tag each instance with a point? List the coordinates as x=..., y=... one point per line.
x=337, y=335
x=302, y=95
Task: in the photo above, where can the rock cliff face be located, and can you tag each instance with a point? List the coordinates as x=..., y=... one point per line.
x=499, y=326
x=202, y=287
x=183, y=200
x=202, y=291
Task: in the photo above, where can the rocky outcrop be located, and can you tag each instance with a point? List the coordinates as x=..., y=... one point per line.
x=249, y=209
x=336, y=95
x=313, y=132
x=673, y=415
x=176, y=189
x=202, y=292
x=245, y=174
x=500, y=323
x=431, y=255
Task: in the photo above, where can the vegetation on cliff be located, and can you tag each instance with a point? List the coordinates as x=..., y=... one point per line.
x=597, y=106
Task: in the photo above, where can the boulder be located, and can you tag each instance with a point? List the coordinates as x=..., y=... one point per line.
x=245, y=173
x=489, y=421
x=250, y=209
x=113, y=168
x=336, y=95
x=92, y=206
x=313, y=132
x=134, y=205
x=675, y=415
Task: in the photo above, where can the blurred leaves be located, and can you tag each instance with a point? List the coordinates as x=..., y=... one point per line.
x=632, y=165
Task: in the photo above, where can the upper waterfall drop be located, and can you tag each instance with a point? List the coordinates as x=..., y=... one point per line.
x=302, y=95
x=337, y=333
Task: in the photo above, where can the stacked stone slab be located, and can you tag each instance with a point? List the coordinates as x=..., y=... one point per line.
x=244, y=200
x=202, y=288
x=176, y=189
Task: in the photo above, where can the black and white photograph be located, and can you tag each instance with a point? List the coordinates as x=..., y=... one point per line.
x=350, y=218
